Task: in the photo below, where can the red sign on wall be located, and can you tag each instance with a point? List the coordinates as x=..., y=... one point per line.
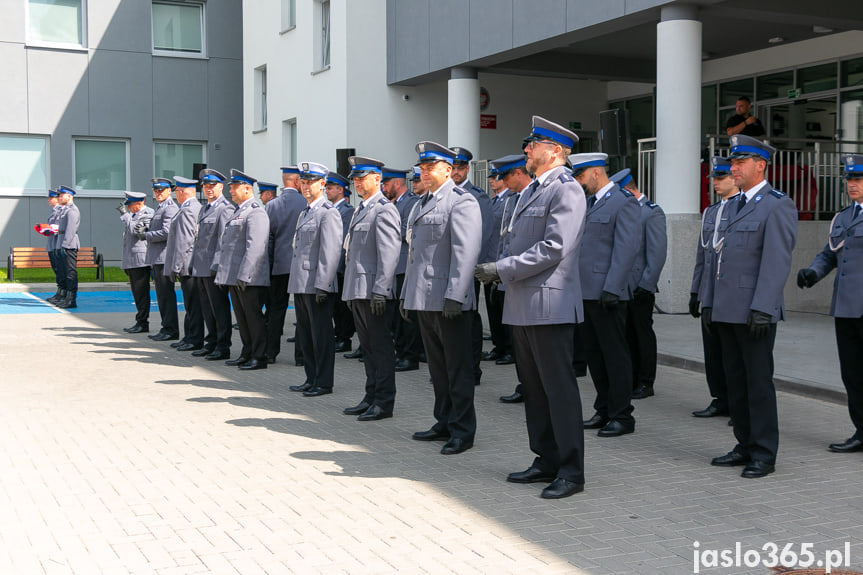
x=488, y=121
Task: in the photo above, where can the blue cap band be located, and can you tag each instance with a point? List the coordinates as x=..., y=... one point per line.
x=212, y=178
x=267, y=188
x=510, y=166
x=290, y=170
x=553, y=136
x=243, y=179
x=751, y=150
x=366, y=168
x=855, y=168
x=435, y=156
x=589, y=164
x=161, y=185
x=461, y=158
x=314, y=173
x=625, y=181
x=184, y=185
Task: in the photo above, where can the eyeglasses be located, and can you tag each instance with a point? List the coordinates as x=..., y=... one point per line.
x=532, y=144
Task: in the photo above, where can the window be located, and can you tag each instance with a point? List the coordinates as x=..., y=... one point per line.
x=817, y=78
x=23, y=162
x=289, y=142
x=101, y=164
x=260, y=98
x=730, y=91
x=852, y=73
x=708, y=109
x=289, y=15
x=322, y=35
x=56, y=22
x=776, y=85
x=177, y=159
x=178, y=29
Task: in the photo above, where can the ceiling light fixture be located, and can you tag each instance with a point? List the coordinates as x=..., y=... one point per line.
x=776, y=40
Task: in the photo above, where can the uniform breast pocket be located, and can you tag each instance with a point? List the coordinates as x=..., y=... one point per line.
x=306, y=233
x=535, y=217
x=430, y=227
x=599, y=224
x=747, y=234
x=360, y=232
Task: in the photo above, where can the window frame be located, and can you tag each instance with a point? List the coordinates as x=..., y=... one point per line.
x=259, y=85
x=289, y=23
x=23, y=191
x=322, y=43
x=98, y=193
x=81, y=47
x=202, y=55
x=289, y=142
x=200, y=143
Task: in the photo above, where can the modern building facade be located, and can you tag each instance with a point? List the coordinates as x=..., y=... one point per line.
x=379, y=75
x=104, y=94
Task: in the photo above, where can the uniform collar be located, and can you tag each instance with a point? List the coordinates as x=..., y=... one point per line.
x=750, y=193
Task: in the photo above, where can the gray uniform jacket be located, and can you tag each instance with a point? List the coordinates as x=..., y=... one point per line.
x=346, y=211
x=848, y=261
x=181, y=239
x=284, y=212
x=157, y=236
x=134, y=250
x=243, y=251
x=373, y=244
x=755, y=258
x=317, y=250
x=404, y=205
x=612, y=239
x=542, y=274
x=705, y=255
x=68, y=224
x=54, y=218
x=654, y=249
x=498, y=206
x=445, y=244
x=485, y=254
x=211, y=223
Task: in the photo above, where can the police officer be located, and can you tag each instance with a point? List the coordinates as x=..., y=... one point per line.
x=178, y=261
x=317, y=251
x=245, y=268
x=156, y=235
x=445, y=238
x=337, y=190
x=283, y=212
x=134, y=258
x=215, y=305
x=373, y=243
x=408, y=344
x=643, y=284
x=612, y=239
x=702, y=281
x=51, y=246
x=267, y=192
x=746, y=302
x=291, y=184
x=844, y=251
x=68, y=244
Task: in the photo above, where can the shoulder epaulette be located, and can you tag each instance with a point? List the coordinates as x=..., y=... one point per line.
x=650, y=205
x=383, y=201
x=566, y=176
x=778, y=194
x=327, y=205
x=627, y=193
x=256, y=205
x=459, y=191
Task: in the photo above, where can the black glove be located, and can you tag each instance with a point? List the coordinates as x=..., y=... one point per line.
x=451, y=308
x=403, y=312
x=378, y=304
x=759, y=324
x=707, y=318
x=806, y=278
x=640, y=293
x=140, y=228
x=693, y=305
x=608, y=300
x=141, y=235
x=349, y=304
x=320, y=295
x=173, y=277
x=121, y=207
x=212, y=273
x=486, y=273
x=241, y=285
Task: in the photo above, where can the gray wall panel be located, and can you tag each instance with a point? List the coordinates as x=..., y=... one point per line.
x=449, y=34
x=180, y=113
x=581, y=13
x=224, y=29
x=121, y=94
x=491, y=27
x=15, y=227
x=226, y=116
x=12, y=21
x=58, y=89
x=410, y=56
x=120, y=25
x=538, y=20
x=13, y=70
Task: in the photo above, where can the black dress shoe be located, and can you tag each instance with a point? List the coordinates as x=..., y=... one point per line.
x=456, y=445
x=514, y=398
x=730, y=459
x=755, y=469
x=405, y=365
x=316, y=391
x=358, y=409
x=423, y=358
x=217, y=355
x=155, y=335
x=561, y=488
x=430, y=435
x=204, y=351
x=304, y=387
x=189, y=347
x=505, y=359
x=165, y=337
x=642, y=391
x=300, y=362
x=595, y=422
x=580, y=372
x=271, y=359
x=356, y=354
x=492, y=355
x=237, y=362
x=254, y=364
x=291, y=339
x=711, y=411
x=531, y=475
x=344, y=346
x=850, y=445
x=177, y=344
x=375, y=413
x=614, y=429
x=137, y=329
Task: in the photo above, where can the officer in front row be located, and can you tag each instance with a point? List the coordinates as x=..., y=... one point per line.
x=245, y=269
x=157, y=239
x=747, y=302
x=178, y=261
x=844, y=251
x=372, y=247
x=337, y=190
x=134, y=258
x=52, y=246
x=68, y=244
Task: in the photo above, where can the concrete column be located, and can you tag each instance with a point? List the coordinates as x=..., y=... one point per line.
x=463, y=110
x=678, y=147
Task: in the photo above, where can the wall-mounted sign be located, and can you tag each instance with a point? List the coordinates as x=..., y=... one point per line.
x=575, y=125
x=488, y=121
x=794, y=93
x=483, y=98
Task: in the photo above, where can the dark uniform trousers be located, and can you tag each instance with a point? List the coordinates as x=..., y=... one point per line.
x=378, y=353
x=315, y=338
x=641, y=339
x=604, y=337
x=450, y=361
x=56, y=266
x=713, y=368
x=409, y=344
x=501, y=335
x=70, y=258
x=193, y=322
x=552, y=402
x=249, y=309
x=343, y=319
x=849, y=340
x=476, y=336
x=166, y=297
x=216, y=308
x=277, y=305
x=751, y=396
x=139, y=278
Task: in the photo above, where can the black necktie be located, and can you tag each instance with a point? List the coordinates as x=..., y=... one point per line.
x=741, y=202
x=857, y=209
x=425, y=200
x=590, y=201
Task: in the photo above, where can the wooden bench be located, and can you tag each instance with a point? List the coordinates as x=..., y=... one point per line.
x=30, y=258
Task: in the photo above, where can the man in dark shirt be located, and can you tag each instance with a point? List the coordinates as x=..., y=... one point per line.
x=743, y=122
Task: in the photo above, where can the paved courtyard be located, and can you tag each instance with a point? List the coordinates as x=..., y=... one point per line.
x=121, y=455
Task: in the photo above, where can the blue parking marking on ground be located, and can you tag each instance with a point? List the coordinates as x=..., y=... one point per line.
x=22, y=302
x=88, y=302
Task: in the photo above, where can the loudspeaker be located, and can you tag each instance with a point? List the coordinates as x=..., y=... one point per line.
x=342, y=165
x=614, y=132
x=196, y=171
